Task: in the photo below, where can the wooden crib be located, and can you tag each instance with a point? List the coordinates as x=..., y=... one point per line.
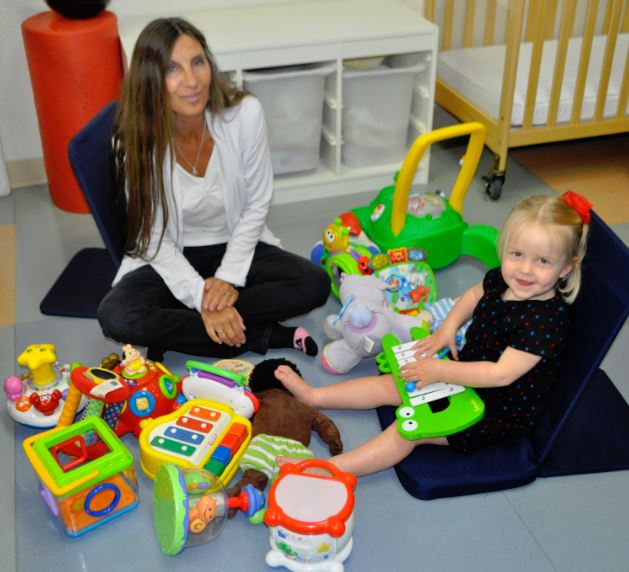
x=533, y=71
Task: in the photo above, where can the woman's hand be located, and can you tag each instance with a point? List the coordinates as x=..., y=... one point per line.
x=218, y=295
x=225, y=326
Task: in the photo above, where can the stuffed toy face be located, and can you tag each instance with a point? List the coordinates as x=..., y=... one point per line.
x=263, y=375
x=364, y=288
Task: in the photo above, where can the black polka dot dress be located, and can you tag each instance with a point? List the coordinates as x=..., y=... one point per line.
x=535, y=326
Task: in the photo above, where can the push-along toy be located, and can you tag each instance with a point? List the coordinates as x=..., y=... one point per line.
x=200, y=433
x=191, y=507
x=210, y=382
x=37, y=397
x=310, y=517
x=82, y=493
x=397, y=219
x=423, y=412
x=426, y=222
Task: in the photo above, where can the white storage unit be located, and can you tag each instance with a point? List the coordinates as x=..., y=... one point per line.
x=245, y=40
x=292, y=99
x=376, y=114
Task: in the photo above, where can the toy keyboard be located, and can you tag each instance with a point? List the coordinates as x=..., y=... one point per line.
x=421, y=414
x=200, y=433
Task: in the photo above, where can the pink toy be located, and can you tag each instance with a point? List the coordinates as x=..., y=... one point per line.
x=13, y=388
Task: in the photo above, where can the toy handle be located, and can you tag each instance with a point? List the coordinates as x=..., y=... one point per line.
x=206, y=367
x=404, y=181
x=348, y=478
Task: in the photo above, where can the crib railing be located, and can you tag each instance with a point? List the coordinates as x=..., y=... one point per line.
x=536, y=21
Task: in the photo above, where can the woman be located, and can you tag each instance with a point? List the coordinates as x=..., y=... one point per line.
x=202, y=273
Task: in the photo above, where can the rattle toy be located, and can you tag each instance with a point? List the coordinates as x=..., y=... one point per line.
x=200, y=433
x=38, y=397
x=81, y=493
x=210, y=382
x=422, y=413
x=190, y=507
x=311, y=517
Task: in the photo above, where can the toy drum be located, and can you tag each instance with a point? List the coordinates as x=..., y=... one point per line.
x=310, y=517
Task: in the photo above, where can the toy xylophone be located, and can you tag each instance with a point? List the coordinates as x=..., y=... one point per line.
x=422, y=414
x=200, y=433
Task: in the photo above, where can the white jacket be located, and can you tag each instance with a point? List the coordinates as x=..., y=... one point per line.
x=240, y=141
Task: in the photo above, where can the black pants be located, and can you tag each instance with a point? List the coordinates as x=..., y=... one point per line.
x=141, y=310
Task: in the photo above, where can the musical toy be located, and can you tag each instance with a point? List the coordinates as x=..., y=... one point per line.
x=191, y=507
x=38, y=397
x=83, y=493
x=310, y=517
x=123, y=396
x=200, y=433
x=210, y=382
x=423, y=413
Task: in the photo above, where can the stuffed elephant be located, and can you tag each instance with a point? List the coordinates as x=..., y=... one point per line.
x=365, y=317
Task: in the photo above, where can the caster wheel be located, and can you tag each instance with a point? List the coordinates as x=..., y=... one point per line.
x=494, y=186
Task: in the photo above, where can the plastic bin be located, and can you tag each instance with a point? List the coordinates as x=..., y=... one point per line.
x=376, y=114
x=292, y=99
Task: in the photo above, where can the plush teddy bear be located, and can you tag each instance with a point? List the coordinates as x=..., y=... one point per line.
x=281, y=426
x=365, y=317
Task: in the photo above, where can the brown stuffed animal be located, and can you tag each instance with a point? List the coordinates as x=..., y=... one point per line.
x=280, y=418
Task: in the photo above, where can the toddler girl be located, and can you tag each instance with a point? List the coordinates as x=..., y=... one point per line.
x=513, y=344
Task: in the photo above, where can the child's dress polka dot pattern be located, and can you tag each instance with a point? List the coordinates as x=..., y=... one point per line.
x=535, y=326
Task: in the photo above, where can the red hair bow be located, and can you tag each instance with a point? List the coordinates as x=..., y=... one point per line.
x=580, y=204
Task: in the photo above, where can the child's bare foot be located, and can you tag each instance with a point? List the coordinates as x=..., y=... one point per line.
x=281, y=461
x=292, y=381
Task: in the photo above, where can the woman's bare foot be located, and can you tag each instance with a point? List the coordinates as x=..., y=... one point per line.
x=294, y=383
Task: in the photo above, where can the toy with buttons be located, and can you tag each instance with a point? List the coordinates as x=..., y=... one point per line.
x=37, y=397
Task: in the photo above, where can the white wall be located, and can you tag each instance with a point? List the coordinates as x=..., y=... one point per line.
x=19, y=132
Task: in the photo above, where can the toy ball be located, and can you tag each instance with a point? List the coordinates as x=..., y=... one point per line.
x=78, y=9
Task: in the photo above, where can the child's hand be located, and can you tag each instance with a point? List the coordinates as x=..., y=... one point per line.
x=424, y=371
x=443, y=337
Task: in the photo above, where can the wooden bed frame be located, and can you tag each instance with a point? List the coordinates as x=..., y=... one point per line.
x=534, y=21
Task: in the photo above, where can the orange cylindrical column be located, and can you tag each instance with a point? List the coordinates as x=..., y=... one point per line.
x=75, y=68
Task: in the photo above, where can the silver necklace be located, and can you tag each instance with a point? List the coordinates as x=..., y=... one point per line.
x=193, y=166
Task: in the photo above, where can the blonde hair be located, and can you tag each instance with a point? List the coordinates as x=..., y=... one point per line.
x=561, y=221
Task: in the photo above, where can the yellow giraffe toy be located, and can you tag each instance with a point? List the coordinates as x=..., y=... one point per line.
x=39, y=359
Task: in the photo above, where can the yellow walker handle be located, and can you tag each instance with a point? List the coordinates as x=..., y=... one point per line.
x=404, y=181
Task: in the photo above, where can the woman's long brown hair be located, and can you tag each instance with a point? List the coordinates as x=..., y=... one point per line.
x=144, y=126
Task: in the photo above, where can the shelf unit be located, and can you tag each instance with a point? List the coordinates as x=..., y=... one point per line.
x=255, y=37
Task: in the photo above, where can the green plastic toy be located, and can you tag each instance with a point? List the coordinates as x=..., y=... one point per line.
x=396, y=219
x=421, y=414
x=430, y=221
